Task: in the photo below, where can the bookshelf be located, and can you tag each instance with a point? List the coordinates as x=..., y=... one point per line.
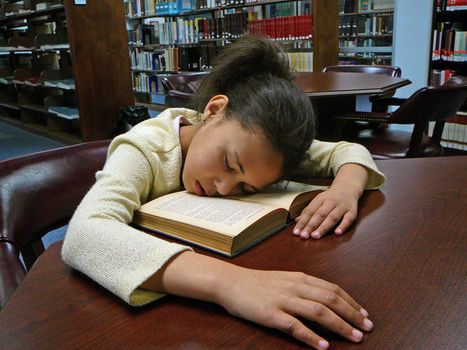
x=55, y=76
x=189, y=38
x=448, y=58
x=366, y=31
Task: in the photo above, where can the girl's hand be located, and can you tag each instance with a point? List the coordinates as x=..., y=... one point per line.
x=275, y=299
x=325, y=211
x=338, y=204
x=279, y=299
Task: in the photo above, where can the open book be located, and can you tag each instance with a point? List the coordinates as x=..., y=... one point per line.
x=227, y=225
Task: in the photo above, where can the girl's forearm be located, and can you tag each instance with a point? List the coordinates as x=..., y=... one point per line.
x=193, y=275
x=351, y=179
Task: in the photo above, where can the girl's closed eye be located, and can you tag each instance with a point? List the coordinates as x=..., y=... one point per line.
x=227, y=164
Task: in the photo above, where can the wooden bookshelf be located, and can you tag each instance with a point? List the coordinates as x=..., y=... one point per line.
x=36, y=70
x=365, y=35
x=444, y=63
x=101, y=65
x=322, y=47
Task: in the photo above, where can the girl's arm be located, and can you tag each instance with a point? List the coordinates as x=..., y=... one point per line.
x=271, y=298
x=354, y=171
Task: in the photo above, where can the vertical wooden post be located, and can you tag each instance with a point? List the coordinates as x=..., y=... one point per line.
x=325, y=33
x=101, y=64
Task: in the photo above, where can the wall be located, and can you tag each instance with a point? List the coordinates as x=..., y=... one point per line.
x=412, y=42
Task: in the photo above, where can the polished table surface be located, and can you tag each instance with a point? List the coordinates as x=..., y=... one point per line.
x=322, y=84
x=404, y=260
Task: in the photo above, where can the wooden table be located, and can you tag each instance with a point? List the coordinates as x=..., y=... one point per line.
x=334, y=93
x=405, y=261
x=326, y=84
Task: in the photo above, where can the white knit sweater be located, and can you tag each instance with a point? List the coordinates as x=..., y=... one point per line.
x=143, y=164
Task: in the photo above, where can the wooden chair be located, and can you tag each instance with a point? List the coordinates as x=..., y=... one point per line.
x=425, y=105
x=180, y=88
x=38, y=193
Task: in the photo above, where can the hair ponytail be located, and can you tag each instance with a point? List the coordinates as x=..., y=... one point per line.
x=254, y=73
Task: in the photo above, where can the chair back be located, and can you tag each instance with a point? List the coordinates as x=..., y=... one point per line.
x=38, y=193
x=431, y=103
x=180, y=88
x=183, y=82
x=361, y=68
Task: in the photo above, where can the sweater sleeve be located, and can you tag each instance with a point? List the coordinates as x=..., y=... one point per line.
x=325, y=159
x=101, y=243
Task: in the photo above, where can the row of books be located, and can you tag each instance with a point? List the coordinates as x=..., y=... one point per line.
x=12, y=8
x=147, y=83
x=145, y=60
x=138, y=8
x=451, y=5
x=365, y=42
x=66, y=112
x=355, y=6
x=179, y=31
x=232, y=26
x=367, y=25
x=300, y=61
x=455, y=132
x=449, y=44
x=147, y=34
x=374, y=56
x=284, y=28
x=280, y=9
x=188, y=60
x=35, y=81
x=440, y=76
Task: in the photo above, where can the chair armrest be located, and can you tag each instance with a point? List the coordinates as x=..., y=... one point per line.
x=12, y=272
x=387, y=101
x=375, y=117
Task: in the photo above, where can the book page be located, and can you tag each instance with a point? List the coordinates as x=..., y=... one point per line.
x=226, y=215
x=281, y=194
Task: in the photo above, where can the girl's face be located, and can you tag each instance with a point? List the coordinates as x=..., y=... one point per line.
x=224, y=159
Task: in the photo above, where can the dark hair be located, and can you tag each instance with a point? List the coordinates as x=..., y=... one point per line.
x=254, y=74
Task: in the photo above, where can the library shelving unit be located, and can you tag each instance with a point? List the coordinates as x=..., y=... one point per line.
x=366, y=31
x=52, y=78
x=448, y=58
x=169, y=38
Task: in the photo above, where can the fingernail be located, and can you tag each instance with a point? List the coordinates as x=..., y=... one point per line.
x=367, y=324
x=296, y=231
x=364, y=312
x=339, y=231
x=323, y=344
x=305, y=234
x=315, y=234
x=357, y=334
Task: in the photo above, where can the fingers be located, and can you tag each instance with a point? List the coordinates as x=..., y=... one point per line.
x=341, y=310
x=320, y=313
x=299, y=331
x=347, y=220
x=334, y=288
x=316, y=224
x=320, y=217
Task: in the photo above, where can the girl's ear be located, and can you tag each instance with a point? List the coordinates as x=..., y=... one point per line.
x=215, y=107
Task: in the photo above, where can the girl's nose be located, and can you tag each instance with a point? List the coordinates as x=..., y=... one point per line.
x=226, y=186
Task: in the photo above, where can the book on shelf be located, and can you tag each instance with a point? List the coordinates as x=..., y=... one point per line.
x=226, y=225
x=65, y=84
x=69, y=113
x=451, y=5
x=6, y=80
